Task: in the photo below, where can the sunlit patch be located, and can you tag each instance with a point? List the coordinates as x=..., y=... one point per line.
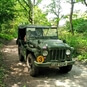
x=7, y=50
x=20, y=74
x=16, y=71
x=84, y=74
x=15, y=85
x=58, y=83
x=46, y=85
x=10, y=46
x=15, y=39
x=25, y=69
x=66, y=83
x=19, y=64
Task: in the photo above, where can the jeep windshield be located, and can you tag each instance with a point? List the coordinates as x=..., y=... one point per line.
x=41, y=33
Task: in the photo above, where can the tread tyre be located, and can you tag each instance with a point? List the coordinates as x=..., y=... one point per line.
x=32, y=68
x=21, y=57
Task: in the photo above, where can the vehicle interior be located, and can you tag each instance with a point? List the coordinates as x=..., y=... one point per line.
x=21, y=33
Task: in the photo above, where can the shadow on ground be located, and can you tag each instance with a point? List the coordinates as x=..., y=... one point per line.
x=17, y=74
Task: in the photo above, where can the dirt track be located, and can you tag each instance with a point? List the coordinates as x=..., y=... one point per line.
x=17, y=74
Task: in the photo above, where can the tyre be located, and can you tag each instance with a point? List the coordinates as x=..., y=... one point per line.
x=65, y=69
x=30, y=63
x=21, y=57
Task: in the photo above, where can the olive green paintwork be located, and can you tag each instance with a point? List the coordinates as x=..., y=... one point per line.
x=50, y=43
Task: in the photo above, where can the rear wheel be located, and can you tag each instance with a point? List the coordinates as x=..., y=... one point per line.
x=21, y=57
x=65, y=69
x=30, y=63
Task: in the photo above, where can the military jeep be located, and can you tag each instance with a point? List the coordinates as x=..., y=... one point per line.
x=40, y=47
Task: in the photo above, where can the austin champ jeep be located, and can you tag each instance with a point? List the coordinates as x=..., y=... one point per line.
x=40, y=47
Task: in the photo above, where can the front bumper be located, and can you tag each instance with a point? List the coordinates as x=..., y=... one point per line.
x=54, y=64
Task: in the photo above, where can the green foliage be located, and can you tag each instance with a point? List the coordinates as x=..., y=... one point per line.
x=6, y=10
x=55, y=8
x=24, y=86
x=14, y=15
x=7, y=14
x=79, y=22
x=40, y=18
x=6, y=36
x=78, y=41
x=1, y=45
x=82, y=56
x=80, y=25
x=82, y=1
x=38, y=2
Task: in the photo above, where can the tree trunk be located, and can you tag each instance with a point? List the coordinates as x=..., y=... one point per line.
x=57, y=25
x=33, y=12
x=30, y=11
x=71, y=13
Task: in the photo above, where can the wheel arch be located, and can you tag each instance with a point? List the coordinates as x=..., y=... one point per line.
x=29, y=52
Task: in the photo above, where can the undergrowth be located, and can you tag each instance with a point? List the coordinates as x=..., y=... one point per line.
x=6, y=36
x=78, y=41
x=1, y=70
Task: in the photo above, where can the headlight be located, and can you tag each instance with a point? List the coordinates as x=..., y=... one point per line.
x=68, y=52
x=45, y=53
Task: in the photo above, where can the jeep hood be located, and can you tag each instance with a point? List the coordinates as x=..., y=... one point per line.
x=50, y=43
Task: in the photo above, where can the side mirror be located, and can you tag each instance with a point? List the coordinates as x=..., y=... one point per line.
x=64, y=41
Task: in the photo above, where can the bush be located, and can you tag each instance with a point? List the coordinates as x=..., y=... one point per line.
x=82, y=56
x=6, y=36
x=78, y=41
x=79, y=25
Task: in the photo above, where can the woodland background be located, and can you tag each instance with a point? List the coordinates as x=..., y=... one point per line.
x=16, y=12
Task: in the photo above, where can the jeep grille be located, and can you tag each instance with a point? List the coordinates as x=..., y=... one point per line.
x=58, y=54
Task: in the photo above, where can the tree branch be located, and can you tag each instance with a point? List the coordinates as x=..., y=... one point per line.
x=71, y=13
x=22, y=5
x=85, y=2
x=54, y=12
x=26, y=3
x=29, y=4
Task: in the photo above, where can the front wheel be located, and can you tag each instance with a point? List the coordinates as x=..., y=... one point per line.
x=30, y=63
x=65, y=69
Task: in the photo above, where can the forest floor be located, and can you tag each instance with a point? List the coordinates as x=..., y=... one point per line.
x=17, y=74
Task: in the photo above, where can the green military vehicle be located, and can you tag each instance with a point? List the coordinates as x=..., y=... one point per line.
x=40, y=47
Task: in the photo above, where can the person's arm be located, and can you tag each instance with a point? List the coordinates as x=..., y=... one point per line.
x=25, y=38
